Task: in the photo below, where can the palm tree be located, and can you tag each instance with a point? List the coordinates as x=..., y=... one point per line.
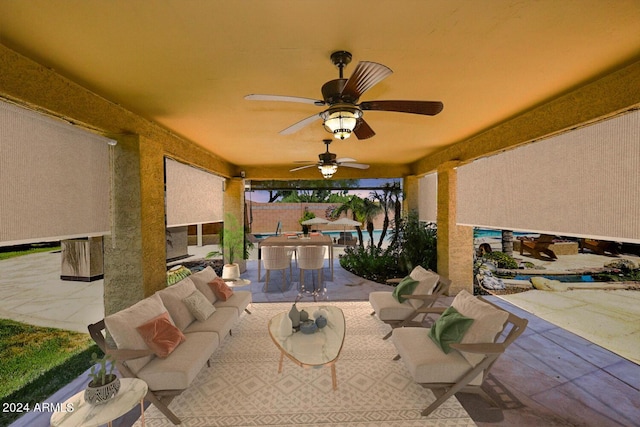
x=507, y=242
x=389, y=199
x=354, y=205
x=370, y=210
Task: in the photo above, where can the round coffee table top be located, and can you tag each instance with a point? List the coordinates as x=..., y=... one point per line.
x=236, y=283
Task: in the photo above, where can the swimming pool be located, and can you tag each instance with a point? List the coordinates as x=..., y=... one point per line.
x=561, y=278
x=336, y=234
x=488, y=232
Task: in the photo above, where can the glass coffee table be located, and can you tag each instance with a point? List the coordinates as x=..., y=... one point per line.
x=321, y=348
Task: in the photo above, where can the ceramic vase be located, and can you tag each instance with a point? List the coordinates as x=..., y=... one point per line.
x=98, y=395
x=294, y=315
x=231, y=271
x=286, y=327
x=303, y=315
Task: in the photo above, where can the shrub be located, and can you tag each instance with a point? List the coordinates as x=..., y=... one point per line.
x=414, y=243
x=371, y=264
x=501, y=260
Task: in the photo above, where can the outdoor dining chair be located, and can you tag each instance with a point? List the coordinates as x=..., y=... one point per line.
x=276, y=258
x=311, y=258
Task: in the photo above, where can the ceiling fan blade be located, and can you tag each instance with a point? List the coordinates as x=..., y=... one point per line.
x=304, y=161
x=363, y=130
x=354, y=165
x=259, y=97
x=429, y=108
x=302, y=123
x=345, y=160
x=366, y=75
x=302, y=167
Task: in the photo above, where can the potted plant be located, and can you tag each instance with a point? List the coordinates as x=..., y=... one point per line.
x=104, y=384
x=235, y=246
x=306, y=216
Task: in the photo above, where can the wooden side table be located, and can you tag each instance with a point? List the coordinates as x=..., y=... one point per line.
x=75, y=411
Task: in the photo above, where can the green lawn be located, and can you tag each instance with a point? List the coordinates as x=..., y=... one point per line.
x=34, y=249
x=37, y=362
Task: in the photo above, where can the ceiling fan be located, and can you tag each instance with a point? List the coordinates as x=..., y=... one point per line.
x=344, y=115
x=328, y=164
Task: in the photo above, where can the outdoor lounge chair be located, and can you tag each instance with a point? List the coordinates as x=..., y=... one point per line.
x=599, y=247
x=412, y=311
x=347, y=239
x=467, y=364
x=538, y=246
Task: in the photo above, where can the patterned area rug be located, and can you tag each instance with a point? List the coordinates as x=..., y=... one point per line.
x=243, y=388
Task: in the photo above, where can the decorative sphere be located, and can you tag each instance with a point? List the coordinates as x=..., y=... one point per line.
x=321, y=322
x=308, y=327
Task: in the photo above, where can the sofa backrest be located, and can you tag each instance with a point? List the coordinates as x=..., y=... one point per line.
x=201, y=279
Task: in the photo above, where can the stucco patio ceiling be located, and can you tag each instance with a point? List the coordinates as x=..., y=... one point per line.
x=188, y=65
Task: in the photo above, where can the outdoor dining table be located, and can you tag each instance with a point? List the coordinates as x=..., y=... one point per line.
x=284, y=240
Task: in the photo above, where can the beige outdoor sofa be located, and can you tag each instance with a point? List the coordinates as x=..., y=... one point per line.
x=167, y=377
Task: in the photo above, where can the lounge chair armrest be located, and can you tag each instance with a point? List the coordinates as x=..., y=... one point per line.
x=127, y=354
x=423, y=297
x=430, y=310
x=483, y=348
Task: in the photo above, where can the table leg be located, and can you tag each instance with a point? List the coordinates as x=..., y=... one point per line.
x=281, y=359
x=259, y=262
x=331, y=260
x=142, y=411
x=334, y=378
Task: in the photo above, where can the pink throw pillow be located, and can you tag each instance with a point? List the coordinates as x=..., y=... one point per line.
x=161, y=335
x=222, y=290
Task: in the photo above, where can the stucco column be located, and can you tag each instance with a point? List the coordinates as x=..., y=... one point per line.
x=234, y=205
x=411, y=191
x=135, y=265
x=455, y=243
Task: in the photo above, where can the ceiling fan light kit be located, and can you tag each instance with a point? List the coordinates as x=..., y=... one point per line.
x=341, y=120
x=327, y=171
x=328, y=163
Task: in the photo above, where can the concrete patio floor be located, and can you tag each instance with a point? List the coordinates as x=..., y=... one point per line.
x=549, y=377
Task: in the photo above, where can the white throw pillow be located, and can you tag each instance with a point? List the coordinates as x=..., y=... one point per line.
x=488, y=322
x=199, y=305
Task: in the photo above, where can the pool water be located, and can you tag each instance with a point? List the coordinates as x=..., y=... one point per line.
x=487, y=232
x=560, y=278
x=336, y=234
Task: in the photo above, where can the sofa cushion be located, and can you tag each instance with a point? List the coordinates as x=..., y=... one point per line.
x=177, y=371
x=387, y=308
x=201, y=279
x=161, y=335
x=425, y=361
x=199, y=305
x=121, y=327
x=488, y=322
x=172, y=299
x=220, y=322
x=221, y=289
x=449, y=328
x=239, y=300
